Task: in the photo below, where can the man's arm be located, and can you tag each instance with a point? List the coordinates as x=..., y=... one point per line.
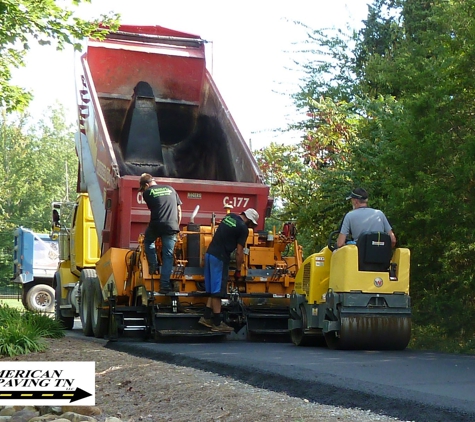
x=179, y=215
x=393, y=238
x=341, y=241
x=389, y=230
x=239, y=256
x=344, y=231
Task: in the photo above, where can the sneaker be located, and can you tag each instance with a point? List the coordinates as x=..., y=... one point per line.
x=206, y=322
x=222, y=328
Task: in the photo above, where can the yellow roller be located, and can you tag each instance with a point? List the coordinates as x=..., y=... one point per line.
x=356, y=297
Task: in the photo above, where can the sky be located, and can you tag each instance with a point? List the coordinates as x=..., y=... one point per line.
x=250, y=51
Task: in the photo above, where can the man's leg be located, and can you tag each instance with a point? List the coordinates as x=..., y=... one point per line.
x=221, y=287
x=216, y=307
x=219, y=272
x=213, y=283
x=168, y=248
x=206, y=319
x=150, y=251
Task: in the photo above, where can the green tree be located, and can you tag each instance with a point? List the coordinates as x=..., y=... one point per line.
x=23, y=22
x=33, y=162
x=377, y=41
x=310, y=178
x=404, y=86
x=430, y=139
x=32, y=175
x=413, y=90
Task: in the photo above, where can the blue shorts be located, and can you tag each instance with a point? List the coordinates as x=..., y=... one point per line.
x=216, y=276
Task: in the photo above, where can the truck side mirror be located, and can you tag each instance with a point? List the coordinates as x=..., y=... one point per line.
x=55, y=225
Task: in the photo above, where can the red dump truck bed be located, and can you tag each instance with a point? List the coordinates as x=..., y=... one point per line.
x=148, y=104
x=133, y=215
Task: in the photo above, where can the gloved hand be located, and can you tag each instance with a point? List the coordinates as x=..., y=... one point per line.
x=237, y=275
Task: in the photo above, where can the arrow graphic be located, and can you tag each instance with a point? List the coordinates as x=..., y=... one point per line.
x=76, y=395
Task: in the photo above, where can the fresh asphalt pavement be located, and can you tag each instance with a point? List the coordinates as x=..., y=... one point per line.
x=409, y=385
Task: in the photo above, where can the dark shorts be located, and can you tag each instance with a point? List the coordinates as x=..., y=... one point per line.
x=216, y=276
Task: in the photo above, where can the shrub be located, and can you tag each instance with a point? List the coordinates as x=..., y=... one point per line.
x=23, y=332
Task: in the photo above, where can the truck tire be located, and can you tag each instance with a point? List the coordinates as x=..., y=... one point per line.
x=99, y=316
x=85, y=305
x=66, y=321
x=24, y=292
x=40, y=298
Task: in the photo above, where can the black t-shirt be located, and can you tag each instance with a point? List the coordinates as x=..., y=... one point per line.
x=231, y=231
x=163, y=201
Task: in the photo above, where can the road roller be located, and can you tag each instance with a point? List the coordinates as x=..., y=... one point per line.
x=353, y=297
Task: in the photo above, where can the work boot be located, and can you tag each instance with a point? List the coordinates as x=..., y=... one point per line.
x=206, y=322
x=165, y=288
x=153, y=270
x=164, y=291
x=222, y=328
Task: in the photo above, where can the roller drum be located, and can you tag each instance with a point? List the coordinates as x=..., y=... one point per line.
x=371, y=332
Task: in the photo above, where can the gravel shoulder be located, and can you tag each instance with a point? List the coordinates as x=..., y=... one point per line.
x=139, y=389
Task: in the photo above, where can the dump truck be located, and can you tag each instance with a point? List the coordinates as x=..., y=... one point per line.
x=35, y=261
x=148, y=104
x=353, y=297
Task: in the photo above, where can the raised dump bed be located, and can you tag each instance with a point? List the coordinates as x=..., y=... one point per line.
x=148, y=104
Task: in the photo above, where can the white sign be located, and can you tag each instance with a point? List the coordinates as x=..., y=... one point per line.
x=47, y=383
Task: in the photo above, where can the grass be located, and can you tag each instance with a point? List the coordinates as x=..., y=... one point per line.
x=23, y=332
x=12, y=303
x=433, y=338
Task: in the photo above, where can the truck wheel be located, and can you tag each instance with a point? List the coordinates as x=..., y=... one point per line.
x=40, y=298
x=24, y=292
x=66, y=321
x=85, y=307
x=99, y=316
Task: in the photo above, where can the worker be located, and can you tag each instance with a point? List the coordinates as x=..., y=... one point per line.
x=363, y=219
x=231, y=235
x=165, y=217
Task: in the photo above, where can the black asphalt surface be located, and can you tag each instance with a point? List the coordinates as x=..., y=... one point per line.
x=409, y=385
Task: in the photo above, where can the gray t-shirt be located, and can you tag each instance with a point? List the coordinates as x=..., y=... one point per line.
x=362, y=220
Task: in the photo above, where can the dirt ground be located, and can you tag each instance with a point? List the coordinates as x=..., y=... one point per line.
x=138, y=389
